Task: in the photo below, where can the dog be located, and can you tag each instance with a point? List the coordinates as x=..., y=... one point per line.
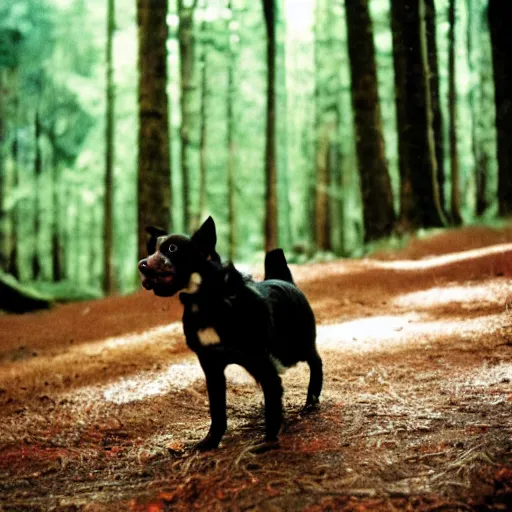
x=265, y=326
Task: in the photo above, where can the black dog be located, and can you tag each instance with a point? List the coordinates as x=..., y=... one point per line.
x=229, y=319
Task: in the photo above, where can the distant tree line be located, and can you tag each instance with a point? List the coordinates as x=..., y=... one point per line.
x=318, y=127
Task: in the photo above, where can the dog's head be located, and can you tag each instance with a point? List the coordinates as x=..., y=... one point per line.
x=173, y=259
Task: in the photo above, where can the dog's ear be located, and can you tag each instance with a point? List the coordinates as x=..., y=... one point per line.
x=205, y=239
x=153, y=233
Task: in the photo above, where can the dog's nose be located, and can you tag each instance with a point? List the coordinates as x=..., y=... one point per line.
x=143, y=266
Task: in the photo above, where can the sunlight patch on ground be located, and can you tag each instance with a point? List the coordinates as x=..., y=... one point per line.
x=443, y=296
x=445, y=259
x=150, y=336
x=141, y=387
x=150, y=384
x=384, y=332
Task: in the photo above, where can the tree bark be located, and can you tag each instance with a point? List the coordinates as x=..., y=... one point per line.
x=419, y=194
x=452, y=109
x=203, y=129
x=378, y=212
x=231, y=146
x=435, y=103
x=7, y=172
x=186, y=42
x=283, y=184
x=271, y=209
x=484, y=117
x=108, y=277
x=500, y=21
x=326, y=120
x=154, y=178
x=38, y=182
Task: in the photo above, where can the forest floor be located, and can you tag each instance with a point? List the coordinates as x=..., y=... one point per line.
x=101, y=402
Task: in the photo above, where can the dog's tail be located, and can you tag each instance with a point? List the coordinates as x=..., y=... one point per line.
x=276, y=266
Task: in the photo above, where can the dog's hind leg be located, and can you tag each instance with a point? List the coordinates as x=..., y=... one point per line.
x=264, y=371
x=216, y=384
x=315, y=379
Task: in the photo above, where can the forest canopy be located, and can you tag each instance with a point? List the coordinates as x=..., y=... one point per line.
x=320, y=126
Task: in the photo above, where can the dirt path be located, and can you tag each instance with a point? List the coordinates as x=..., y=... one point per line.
x=101, y=402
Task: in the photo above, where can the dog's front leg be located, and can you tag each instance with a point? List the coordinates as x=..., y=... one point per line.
x=216, y=385
x=264, y=371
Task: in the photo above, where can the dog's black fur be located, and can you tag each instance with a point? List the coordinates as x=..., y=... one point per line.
x=229, y=319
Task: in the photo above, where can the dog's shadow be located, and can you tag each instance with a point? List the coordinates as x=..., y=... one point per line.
x=249, y=431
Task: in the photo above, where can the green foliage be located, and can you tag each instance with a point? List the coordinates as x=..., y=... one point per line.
x=56, y=50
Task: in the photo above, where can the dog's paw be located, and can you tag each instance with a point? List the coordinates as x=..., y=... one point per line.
x=208, y=443
x=311, y=406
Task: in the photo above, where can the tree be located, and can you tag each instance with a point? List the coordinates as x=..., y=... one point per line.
x=108, y=278
x=38, y=185
x=419, y=193
x=500, y=20
x=271, y=212
x=435, y=100
x=378, y=212
x=7, y=162
x=188, y=87
x=452, y=109
x=231, y=142
x=203, y=140
x=483, y=106
x=154, y=178
x=326, y=119
x=283, y=182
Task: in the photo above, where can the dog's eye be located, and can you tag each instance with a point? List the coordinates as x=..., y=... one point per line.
x=172, y=248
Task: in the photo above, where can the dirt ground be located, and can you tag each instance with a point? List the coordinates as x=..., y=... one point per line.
x=101, y=402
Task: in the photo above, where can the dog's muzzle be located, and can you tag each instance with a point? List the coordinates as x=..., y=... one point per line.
x=153, y=279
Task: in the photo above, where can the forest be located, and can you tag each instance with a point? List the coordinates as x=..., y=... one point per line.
x=324, y=127
x=370, y=140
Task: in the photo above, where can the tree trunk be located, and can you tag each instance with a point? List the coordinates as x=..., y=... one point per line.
x=485, y=128
x=500, y=21
x=186, y=42
x=154, y=178
x=231, y=145
x=271, y=210
x=203, y=134
x=56, y=230
x=452, y=109
x=327, y=86
x=419, y=193
x=283, y=185
x=378, y=212
x=437, y=117
x=38, y=182
x=108, y=277
x=7, y=173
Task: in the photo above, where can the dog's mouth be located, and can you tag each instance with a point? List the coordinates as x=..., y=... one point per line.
x=157, y=280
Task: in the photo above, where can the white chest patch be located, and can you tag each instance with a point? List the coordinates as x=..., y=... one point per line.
x=208, y=336
x=193, y=283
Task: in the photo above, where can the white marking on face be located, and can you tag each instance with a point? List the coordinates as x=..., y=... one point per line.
x=193, y=283
x=280, y=368
x=208, y=336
